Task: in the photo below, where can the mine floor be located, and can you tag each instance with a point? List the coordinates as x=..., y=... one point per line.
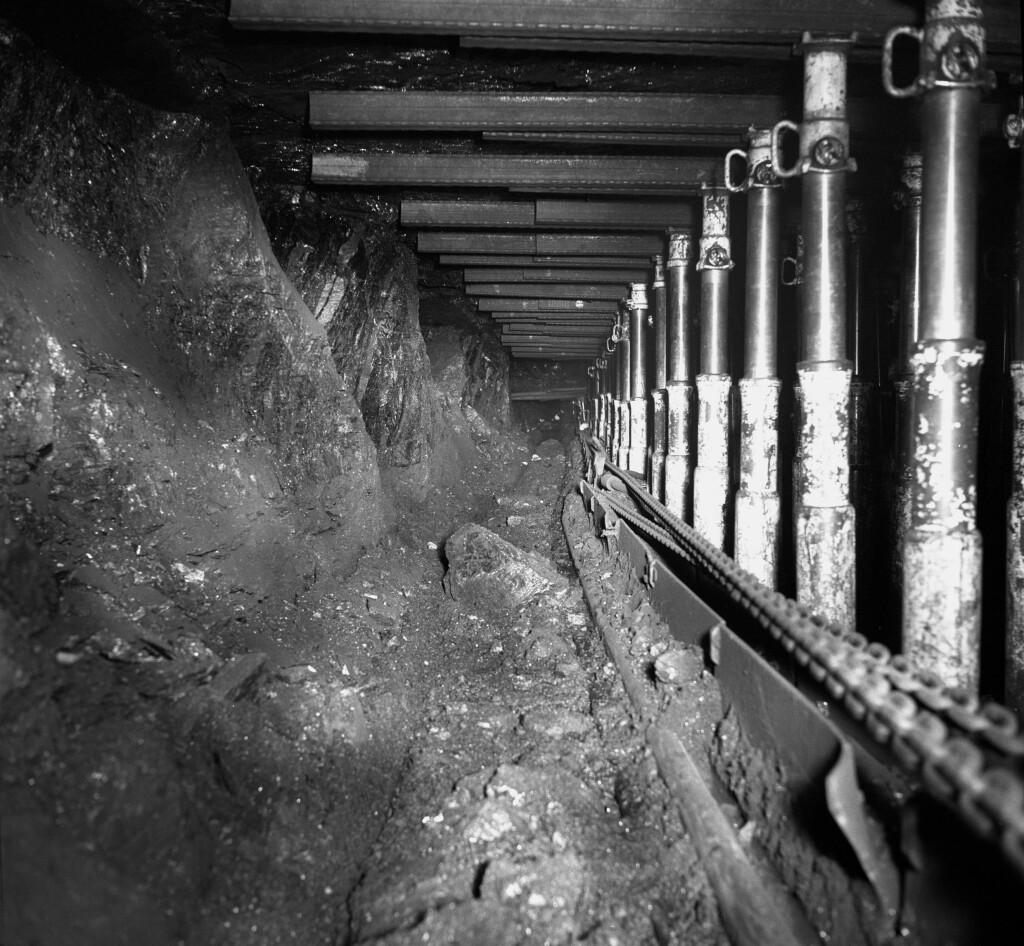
x=372, y=762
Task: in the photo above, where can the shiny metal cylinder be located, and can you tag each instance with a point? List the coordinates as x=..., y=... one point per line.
x=763, y=216
x=757, y=505
x=638, y=331
x=679, y=353
x=908, y=197
x=824, y=285
x=660, y=316
x=1014, y=130
x=825, y=522
x=659, y=397
x=942, y=548
x=638, y=339
x=824, y=152
x=714, y=263
x=949, y=218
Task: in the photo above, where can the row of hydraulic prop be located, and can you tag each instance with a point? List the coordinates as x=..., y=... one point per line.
x=651, y=432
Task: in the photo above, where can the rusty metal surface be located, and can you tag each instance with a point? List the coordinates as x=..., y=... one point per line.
x=659, y=443
x=637, y=457
x=711, y=484
x=681, y=396
x=1015, y=553
x=942, y=549
x=757, y=502
x=825, y=522
x=653, y=174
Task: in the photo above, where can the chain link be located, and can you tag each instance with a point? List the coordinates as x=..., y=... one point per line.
x=966, y=754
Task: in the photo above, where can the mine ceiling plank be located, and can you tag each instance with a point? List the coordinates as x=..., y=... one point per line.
x=547, y=305
x=545, y=290
x=483, y=259
x=502, y=274
x=539, y=112
x=549, y=213
x=742, y=20
x=483, y=214
x=575, y=173
x=540, y=244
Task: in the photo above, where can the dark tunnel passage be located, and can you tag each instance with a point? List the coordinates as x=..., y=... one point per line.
x=493, y=474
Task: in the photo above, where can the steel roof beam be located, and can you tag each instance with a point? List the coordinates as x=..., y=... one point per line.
x=520, y=214
x=544, y=290
x=637, y=139
x=573, y=173
x=578, y=118
x=588, y=306
x=539, y=112
x=482, y=259
x=502, y=274
x=540, y=244
x=680, y=20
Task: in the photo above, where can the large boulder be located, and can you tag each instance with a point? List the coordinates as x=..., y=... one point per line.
x=493, y=575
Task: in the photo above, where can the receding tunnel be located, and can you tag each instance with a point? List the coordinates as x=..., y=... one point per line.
x=494, y=474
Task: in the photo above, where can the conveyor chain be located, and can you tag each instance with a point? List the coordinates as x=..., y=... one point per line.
x=969, y=754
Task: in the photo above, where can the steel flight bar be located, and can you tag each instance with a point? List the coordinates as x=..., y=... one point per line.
x=671, y=175
x=540, y=244
x=738, y=20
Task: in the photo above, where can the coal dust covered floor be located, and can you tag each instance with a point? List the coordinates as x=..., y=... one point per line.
x=436, y=749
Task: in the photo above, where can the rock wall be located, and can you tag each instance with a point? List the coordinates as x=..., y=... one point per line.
x=424, y=394
x=161, y=374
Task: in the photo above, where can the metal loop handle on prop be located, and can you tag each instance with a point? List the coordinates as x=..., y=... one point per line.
x=796, y=280
x=898, y=92
x=780, y=127
x=735, y=188
x=591, y=371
